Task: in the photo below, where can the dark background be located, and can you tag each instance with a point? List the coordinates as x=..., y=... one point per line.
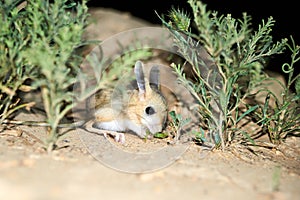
x=285, y=14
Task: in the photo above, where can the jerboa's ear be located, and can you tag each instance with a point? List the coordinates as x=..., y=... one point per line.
x=140, y=79
x=154, y=77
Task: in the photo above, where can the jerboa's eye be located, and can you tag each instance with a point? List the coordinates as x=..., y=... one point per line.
x=149, y=110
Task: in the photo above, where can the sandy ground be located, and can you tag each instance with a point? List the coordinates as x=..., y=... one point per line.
x=80, y=171
x=28, y=172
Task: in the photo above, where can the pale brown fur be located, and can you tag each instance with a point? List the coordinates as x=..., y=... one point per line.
x=128, y=111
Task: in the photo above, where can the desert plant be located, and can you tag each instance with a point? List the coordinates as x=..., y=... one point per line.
x=284, y=118
x=13, y=73
x=227, y=59
x=38, y=45
x=177, y=122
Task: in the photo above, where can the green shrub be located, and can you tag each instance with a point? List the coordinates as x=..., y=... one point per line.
x=227, y=58
x=38, y=46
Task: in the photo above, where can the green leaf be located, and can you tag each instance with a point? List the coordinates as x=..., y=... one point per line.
x=161, y=135
x=173, y=115
x=251, y=109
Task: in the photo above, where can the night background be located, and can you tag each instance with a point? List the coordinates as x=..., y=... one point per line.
x=285, y=14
